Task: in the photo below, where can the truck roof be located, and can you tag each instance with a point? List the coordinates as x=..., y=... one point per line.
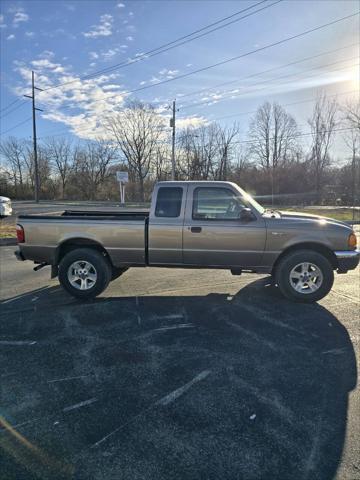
x=192, y=182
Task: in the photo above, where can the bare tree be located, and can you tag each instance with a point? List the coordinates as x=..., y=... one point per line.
x=351, y=113
x=225, y=139
x=162, y=165
x=61, y=155
x=14, y=154
x=273, y=140
x=91, y=168
x=137, y=130
x=273, y=136
x=205, y=153
x=322, y=122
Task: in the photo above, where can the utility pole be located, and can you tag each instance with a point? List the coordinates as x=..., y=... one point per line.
x=36, y=165
x=172, y=124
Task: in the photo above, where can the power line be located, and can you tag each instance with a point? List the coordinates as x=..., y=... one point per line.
x=223, y=62
x=90, y=129
x=268, y=70
x=10, y=104
x=170, y=45
x=14, y=109
x=284, y=105
x=248, y=91
x=301, y=134
x=235, y=95
x=16, y=126
x=242, y=93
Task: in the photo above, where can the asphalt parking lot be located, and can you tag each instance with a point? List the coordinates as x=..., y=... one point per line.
x=177, y=374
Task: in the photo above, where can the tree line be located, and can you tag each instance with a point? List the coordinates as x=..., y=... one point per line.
x=276, y=160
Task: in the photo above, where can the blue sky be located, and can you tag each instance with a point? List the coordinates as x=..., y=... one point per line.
x=65, y=40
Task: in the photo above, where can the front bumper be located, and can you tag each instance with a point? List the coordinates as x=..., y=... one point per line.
x=347, y=260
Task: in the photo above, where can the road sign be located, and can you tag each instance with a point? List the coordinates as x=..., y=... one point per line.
x=122, y=177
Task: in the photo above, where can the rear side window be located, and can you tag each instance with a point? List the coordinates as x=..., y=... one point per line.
x=168, y=202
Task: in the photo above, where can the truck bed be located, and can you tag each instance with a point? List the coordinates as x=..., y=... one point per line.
x=122, y=234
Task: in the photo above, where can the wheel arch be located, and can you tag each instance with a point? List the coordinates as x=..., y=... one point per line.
x=314, y=246
x=79, y=242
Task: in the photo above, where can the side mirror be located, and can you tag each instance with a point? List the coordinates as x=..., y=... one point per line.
x=246, y=215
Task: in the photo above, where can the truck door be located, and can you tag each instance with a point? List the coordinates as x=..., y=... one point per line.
x=214, y=234
x=166, y=225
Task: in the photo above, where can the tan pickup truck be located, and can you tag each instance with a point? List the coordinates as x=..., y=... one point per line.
x=191, y=224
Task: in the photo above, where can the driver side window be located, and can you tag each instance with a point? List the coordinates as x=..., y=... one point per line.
x=212, y=203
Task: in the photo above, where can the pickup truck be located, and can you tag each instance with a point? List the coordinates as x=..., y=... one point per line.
x=191, y=224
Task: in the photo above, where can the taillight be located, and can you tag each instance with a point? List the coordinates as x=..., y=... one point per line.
x=20, y=234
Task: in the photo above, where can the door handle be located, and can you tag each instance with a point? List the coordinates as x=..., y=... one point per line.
x=195, y=229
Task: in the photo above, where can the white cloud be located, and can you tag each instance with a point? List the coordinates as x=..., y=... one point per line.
x=193, y=122
x=10, y=37
x=29, y=34
x=93, y=55
x=104, y=29
x=129, y=38
x=20, y=16
x=110, y=53
x=77, y=104
x=47, y=54
x=120, y=5
x=131, y=14
x=168, y=74
x=2, y=20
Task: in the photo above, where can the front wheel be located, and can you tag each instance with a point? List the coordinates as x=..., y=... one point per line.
x=84, y=273
x=304, y=276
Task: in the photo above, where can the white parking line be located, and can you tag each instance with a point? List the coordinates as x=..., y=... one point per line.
x=171, y=397
x=169, y=317
x=79, y=405
x=163, y=401
x=17, y=342
x=174, y=327
x=67, y=378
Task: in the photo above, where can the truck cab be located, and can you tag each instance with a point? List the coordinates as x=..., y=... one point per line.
x=205, y=224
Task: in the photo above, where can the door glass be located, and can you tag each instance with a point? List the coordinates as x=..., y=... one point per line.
x=216, y=204
x=168, y=202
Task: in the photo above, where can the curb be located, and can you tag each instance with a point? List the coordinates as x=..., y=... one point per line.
x=8, y=241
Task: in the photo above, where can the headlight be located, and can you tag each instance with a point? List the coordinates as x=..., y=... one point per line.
x=352, y=240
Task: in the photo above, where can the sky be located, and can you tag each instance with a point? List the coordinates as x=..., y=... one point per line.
x=65, y=41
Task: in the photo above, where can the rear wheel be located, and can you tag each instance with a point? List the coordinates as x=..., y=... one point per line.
x=304, y=276
x=84, y=273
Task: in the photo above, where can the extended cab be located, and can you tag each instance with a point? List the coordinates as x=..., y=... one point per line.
x=191, y=224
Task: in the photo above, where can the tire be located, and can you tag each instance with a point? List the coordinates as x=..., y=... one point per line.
x=304, y=276
x=84, y=273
